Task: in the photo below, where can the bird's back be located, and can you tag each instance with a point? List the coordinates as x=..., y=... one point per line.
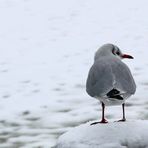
x=108, y=73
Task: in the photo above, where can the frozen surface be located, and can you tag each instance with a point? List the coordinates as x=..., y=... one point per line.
x=46, y=50
x=131, y=134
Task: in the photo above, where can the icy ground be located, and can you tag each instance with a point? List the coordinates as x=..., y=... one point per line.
x=46, y=50
x=131, y=134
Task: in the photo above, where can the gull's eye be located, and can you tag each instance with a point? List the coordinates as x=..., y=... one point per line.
x=118, y=53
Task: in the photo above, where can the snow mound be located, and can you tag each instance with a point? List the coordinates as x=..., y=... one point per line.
x=130, y=134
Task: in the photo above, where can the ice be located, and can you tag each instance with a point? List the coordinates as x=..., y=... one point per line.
x=131, y=134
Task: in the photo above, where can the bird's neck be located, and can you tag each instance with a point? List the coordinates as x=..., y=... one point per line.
x=100, y=54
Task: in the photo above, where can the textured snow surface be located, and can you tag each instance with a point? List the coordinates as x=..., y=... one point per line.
x=131, y=134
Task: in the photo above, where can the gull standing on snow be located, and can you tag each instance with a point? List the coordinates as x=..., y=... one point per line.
x=109, y=79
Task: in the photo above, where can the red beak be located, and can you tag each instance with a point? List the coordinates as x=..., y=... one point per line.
x=127, y=56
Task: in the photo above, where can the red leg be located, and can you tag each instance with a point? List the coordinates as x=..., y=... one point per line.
x=123, y=119
x=103, y=116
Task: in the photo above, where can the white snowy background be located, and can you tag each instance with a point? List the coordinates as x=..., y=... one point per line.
x=46, y=50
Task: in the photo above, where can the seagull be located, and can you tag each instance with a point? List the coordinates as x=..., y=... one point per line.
x=109, y=79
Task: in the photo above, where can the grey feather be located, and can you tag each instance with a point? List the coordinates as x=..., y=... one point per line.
x=100, y=79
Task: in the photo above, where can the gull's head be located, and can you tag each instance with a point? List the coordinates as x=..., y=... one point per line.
x=111, y=50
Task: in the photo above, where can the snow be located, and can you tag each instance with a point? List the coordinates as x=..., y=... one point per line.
x=46, y=50
x=131, y=134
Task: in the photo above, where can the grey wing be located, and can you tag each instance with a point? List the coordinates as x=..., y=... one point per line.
x=100, y=79
x=123, y=77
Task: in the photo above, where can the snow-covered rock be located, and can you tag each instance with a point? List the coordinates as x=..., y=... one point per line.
x=130, y=134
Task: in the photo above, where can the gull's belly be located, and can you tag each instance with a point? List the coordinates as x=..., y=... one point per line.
x=112, y=101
